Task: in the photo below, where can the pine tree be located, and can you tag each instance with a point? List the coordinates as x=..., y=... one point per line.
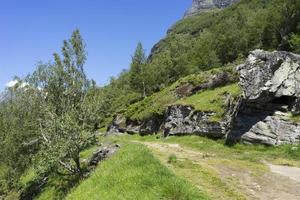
x=137, y=70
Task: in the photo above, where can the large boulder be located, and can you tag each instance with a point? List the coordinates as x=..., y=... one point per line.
x=121, y=125
x=266, y=76
x=183, y=120
x=102, y=153
x=117, y=126
x=271, y=91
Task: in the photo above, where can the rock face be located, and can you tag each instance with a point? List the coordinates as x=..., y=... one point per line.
x=266, y=76
x=121, y=125
x=271, y=86
x=183, y=120
x=199, y=6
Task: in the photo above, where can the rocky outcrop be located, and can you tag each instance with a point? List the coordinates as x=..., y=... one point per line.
x=271, y=87
x=102, y=153
x=270, y=82
x=184, y=120
x=121, y=125
x=266, y=76
x=199, y=6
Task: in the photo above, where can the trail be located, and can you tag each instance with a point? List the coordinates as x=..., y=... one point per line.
x=290, y=172
x=229, y=181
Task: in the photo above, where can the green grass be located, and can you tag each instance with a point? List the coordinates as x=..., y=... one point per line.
x=3, y=184
x=57, y=187
x=212, y=100
x=295, y=118
x=28, y=176
x=134, y=173
x=88, y=152
x=156, y=104
x=285, y=154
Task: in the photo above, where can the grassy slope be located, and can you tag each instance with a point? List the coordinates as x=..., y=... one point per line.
x=133, y=173
x=133, y=170
x=204, y=170
x=212, y=100
x=156, y=104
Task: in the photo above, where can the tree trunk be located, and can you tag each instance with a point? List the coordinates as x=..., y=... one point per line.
x=144, y=90
x=78, y=166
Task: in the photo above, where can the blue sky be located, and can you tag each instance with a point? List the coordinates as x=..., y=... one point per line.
x=33, y=30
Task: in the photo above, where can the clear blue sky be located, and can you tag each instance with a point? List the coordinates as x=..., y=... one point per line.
x=32, y=30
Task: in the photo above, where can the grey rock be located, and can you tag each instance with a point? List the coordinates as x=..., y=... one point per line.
x=271, y=92
x=184, y=120
x=269, y=75
x=102, y=153
x=121, y=125
x=118, y=126
x=199, y=6
x=273, y=131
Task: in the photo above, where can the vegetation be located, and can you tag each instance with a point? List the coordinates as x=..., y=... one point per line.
x=48, y=120
x=134, y=173
x=285, y=154
x=156, y=104
x=218, y=170
x=212, y=100
x=199, y=43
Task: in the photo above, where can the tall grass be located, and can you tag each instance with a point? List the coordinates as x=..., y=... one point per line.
x=134, y=173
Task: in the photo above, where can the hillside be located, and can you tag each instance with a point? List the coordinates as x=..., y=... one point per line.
x=225, y=80
x=210, y=40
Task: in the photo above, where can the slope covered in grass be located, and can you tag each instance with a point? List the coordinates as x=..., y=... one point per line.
x=134, y=173
x=156, y=104
x=212, y=100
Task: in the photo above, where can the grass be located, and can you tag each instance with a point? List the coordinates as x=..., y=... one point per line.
x=288, y=154
x=207, y=178
x=57, y=187
x=156, y=104
x=203, y=170
x=295, y=118
x=86, y=154
x=3, y=184
x=134, y=173
x=243, y=152
x=28, y=176
x=212, y=100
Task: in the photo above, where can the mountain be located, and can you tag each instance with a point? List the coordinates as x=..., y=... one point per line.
x=199, y=6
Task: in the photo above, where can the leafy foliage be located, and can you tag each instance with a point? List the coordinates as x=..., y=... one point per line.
x=47, y=118
x=65, y=126
x=215, y=38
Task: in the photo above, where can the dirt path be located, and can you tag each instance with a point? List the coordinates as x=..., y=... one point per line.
x=290, y=172
x=228, y=179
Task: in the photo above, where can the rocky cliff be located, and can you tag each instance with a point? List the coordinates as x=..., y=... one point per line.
x=267, y=112
x=199, y=6
x=271, y=98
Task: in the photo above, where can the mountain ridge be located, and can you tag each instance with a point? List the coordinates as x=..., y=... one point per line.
x=199, y=6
